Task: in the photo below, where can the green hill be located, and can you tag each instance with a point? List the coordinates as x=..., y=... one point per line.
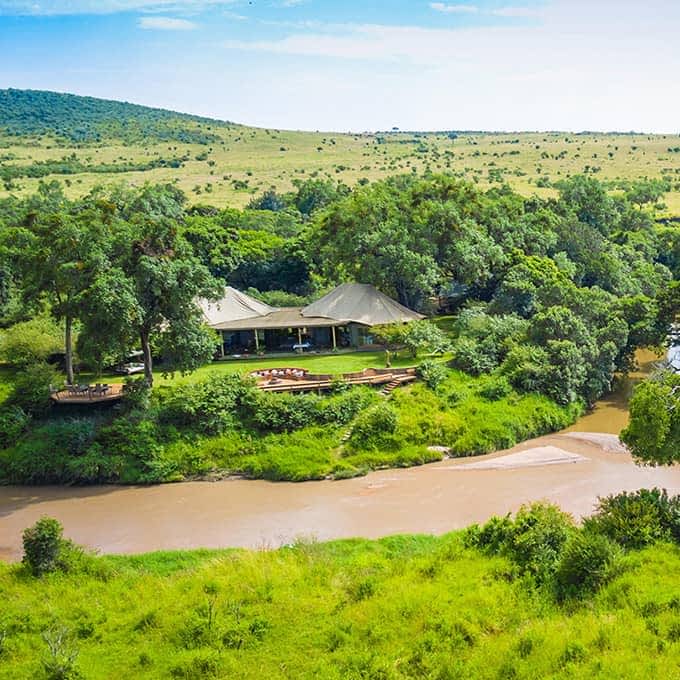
x=47, y=136
x=87, y=119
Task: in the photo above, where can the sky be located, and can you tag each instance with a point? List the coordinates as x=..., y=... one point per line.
x=356, y=65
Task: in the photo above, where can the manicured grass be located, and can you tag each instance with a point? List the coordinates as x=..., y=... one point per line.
x=348, y=362
x=397, y=608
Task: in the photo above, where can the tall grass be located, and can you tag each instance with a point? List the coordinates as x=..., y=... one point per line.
x=401, y=607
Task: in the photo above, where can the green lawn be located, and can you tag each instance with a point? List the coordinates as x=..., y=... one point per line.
x=398, y=608
x=328, y=363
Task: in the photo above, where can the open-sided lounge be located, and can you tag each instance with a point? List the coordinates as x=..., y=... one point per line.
x=340, y=319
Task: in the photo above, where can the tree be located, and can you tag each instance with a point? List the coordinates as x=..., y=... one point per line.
x=416, y=336
x=164, y=281
x=58, y=255
x=653, y=434
x=644, y=191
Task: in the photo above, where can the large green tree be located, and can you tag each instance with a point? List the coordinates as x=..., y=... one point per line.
x=163, y=281
x=653, y=434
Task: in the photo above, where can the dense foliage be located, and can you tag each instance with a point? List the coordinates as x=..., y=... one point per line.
x=87, y=119
x=552, y=298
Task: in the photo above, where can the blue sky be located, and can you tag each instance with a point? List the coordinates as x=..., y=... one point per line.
x=360, y=65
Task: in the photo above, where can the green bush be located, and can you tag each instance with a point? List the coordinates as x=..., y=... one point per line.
x=42, y=545
x=341, y=408
x=432, y=373
x=587, y=563
x=468, y=356
x=373, y=425
x=13, y=423
x=636, y=519
x=496, y=388
x=139, y=443
x=533, y=540
x=31, y=390
x=31, y=342
x=209, y=406
x=285, y=412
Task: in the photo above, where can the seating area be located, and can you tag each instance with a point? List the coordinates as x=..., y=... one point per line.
x=76, y=394
x=299, y=380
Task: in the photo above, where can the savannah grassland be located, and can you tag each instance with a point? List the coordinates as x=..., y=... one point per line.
x=400, y=607
x=248, y=161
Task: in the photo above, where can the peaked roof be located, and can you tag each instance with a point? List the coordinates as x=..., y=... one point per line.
x=233, y=305
x=361, y=303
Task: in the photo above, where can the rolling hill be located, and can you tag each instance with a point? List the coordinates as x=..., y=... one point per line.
x=84, y=141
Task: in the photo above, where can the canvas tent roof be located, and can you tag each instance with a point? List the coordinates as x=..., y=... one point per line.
x=360, y=303
x=286, y=317
x=234, y=306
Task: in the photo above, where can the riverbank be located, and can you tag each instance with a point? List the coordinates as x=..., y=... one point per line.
x=432, y=499
x=398, y=608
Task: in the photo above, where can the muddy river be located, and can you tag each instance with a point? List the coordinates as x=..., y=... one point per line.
x=571, y=468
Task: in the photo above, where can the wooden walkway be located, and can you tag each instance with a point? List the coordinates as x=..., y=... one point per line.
x=89, y=396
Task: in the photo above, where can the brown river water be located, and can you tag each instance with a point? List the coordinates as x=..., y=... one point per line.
x=570, y=468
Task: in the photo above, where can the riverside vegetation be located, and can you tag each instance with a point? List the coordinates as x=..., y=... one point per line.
x=552, y=297
x=523, y=597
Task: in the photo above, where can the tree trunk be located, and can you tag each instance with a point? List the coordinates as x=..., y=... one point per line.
x=68, y=345
x=148, y=361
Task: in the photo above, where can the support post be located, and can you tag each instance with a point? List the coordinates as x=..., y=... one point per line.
x=257, y=341
x=222, y=344
x=299, y=336
x=335, y=345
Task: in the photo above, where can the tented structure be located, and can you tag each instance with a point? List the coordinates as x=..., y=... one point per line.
x=342, y=318
x=233, y=306
x=360, y=303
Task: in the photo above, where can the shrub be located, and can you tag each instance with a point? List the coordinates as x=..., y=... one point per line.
x=42, y=545
x=13, y=423
x=533, y=540
x=588, y=561
x=31, y=341
x=138, y=443
x=373, y=425
x=638, y=518
x=285, y=412
x=341, y=408
x=31, y=390
x=468, y=356
x=209, y=406
x=496, y=388
x=432, y=373
x=136, y=394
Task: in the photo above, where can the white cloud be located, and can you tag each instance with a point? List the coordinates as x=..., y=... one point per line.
x=166, y=24
x=516, y=12
x=453, y=9
x=560, y=72
x=61, y=7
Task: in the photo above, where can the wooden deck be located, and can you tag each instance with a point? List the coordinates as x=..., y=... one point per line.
x=91, y=396
x=319, y=383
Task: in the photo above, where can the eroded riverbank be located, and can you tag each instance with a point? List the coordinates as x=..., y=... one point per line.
x=433, y=498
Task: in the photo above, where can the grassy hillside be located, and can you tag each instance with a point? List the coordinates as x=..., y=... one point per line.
x=225, y=164
x=401, y=607
x=75, y=119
